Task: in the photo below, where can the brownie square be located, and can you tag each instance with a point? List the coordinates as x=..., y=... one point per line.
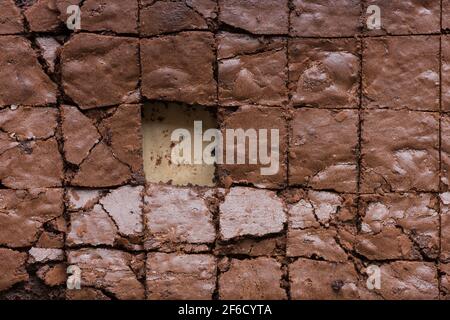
x=177, y=218
x=324, y=73
x=445, y=227
x=405, y=16
x=29, y=151
x=12, y=268
x=250, y=212
x=251, y=73
x=11, y=20
x=43, y=16
x=115, y=272
x=159, y=17
x=323, y=280
x=259, y=171
x=395, y=67
x=444, y=270
x=398, y=226
x=116, y=64
x=320, y=18
x=322, y=151
x=445, y=152
x=113, y=15
x=256, y=16
x=106, y=217
x=28, y=214
x=446, y=14
x=399, y=151
x=22, y=79
x=445, y=73
x=321, y=225
x=105, y=147
x=251, y=279
x=178, y=276
x=179, y=68
x=409, y=280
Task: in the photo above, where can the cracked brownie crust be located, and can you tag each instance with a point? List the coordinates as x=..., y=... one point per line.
x=362, y=187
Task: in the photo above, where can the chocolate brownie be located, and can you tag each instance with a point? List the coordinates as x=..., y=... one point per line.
x=324, y=73
x=89, y=60
x=28, y=148
x=180, y=276
x=398, y=226
x=445, y=226
x=22, y=79
x=179, y=68
x=320, y=18
x=250, y=212
x=250, y=73
x=395, y=67
x=445, y=281
x=445, y=70
x=110, y=217
x=321, y=225
x=110, y=152
x=446, y=14
x=267, y=168
x=251, y=279
x=25, y=215
x=159, y=17
x=409, y=280
x=405, y=16
x=11, y=20
x=399, y=151
x=113, y=15
x=323, y=280
x=177, y=217
x=43, y=16
x=12, y=268
x=115, y=272
x=256, y=16
x=322, y=151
